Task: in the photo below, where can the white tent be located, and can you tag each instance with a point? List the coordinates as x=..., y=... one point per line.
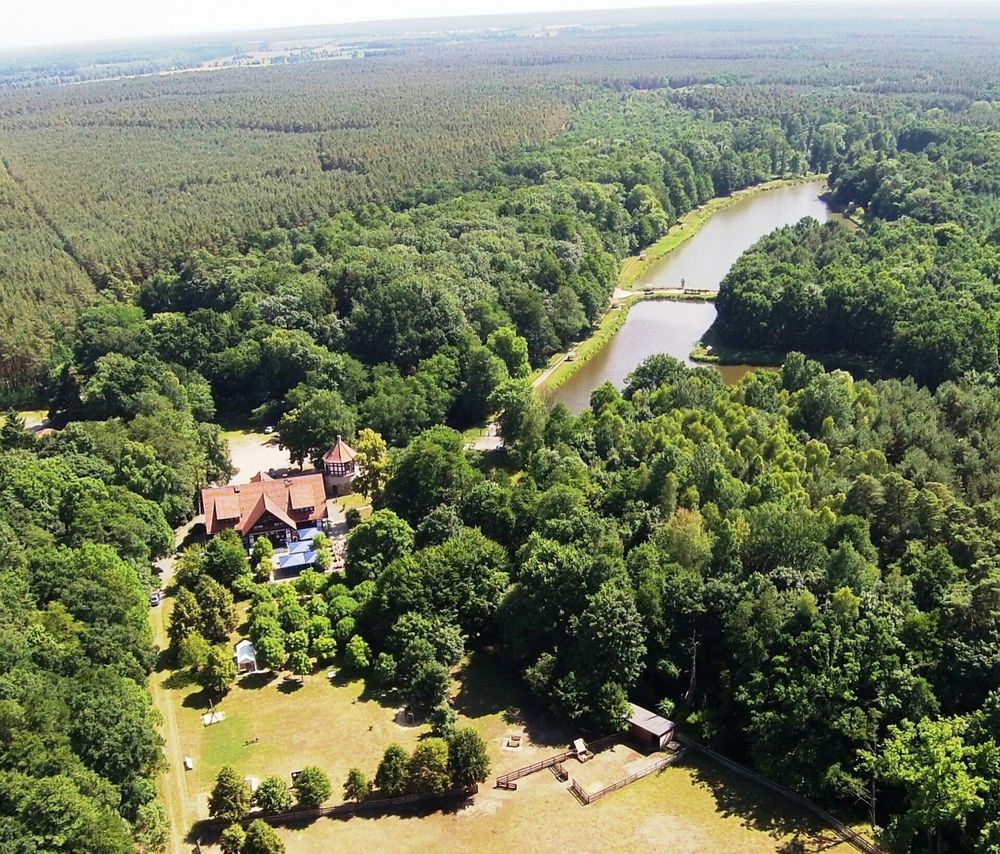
x=246, y=657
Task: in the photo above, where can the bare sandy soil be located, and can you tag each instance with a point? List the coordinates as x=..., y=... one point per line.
x=254, y=452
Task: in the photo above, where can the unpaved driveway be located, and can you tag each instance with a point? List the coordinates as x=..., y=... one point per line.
x=254, y=452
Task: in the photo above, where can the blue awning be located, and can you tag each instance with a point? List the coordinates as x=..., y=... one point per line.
x=300, y=547
x=297, y=559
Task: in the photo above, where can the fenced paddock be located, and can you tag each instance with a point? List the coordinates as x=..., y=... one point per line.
x=585, y=797
x=506, y=781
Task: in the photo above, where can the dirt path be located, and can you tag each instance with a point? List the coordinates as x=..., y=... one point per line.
x=173, y=782
x=544, y=375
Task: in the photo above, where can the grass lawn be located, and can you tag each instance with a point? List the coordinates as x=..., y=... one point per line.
x=353, y=501
x=690, y=807
x=32, y=417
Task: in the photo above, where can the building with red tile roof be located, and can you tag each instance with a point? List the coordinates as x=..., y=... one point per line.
x=275, y=508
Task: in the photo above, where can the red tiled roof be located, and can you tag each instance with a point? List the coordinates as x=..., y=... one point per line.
x=301, y=497
x=261, y=475
x=341, y=452
x=227, y=507
x=240, y=506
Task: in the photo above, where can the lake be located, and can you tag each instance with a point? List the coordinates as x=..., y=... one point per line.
x=662, y=326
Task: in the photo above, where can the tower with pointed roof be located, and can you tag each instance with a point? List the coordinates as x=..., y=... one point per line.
x=339, y=469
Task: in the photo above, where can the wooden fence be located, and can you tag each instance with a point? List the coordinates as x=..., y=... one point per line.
x=369, y=806
x=851, y=837
x=585, y=797
x=506, y=781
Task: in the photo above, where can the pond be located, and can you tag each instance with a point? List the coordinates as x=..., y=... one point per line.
x=674, y=328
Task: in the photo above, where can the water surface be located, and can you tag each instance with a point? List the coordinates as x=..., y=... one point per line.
x=675, y=327
x=705, y=259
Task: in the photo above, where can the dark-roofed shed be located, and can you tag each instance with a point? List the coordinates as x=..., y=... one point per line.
x=650, y=729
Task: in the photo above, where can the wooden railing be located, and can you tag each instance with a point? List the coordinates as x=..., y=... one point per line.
x=367, y=806
x=506, y=781
x=848, y=835
x=585, y=797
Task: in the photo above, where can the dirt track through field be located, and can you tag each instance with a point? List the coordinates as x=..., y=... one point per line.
x=173, y=781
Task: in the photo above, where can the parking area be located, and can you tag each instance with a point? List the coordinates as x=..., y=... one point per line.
x=252, y=452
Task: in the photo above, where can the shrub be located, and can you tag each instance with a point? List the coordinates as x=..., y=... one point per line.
x=468, y=761
x=344, y=629
x=427, y=771
x=443, y=720
x=219, y=670
x=312, y=787
x=272, y=795
x=391, y=775
x=324, y=648
x=261, y=839
x=356, y=787
x=358, y=653
x=232, y=838
x=384, y=672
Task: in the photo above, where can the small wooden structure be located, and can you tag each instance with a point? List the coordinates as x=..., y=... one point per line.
x=246, y=657
x=650, y=729
x=581, y=750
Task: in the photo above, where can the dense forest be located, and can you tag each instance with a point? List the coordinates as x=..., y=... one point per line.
x=915, y=291
x=113, y=179
x=84, y=514
x=799, y=569
x=401, y=319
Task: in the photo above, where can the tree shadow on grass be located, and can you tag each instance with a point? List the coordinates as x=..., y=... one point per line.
x=342, y=676
x=290, y=686
x=489, y=686
x=387, y=699
x=195, y=536
x=199, y=700
x=496, y=460
x=207, y=832
x=414, y=811
x=756, y=807
x=370, y=692
x=165, y=660
x=258, y=680
x=178, y=680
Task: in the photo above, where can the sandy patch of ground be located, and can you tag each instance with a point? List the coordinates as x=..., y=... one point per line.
x=609, y=766
x=254, y=452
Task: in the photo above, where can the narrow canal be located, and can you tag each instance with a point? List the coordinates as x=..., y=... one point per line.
x=675, y=327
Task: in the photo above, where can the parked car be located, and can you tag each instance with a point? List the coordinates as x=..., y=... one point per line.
x=155, y=597
x=269, y=429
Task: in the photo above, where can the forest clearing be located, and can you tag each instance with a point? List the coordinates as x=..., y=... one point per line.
x=271, y=728
x=289, y=534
